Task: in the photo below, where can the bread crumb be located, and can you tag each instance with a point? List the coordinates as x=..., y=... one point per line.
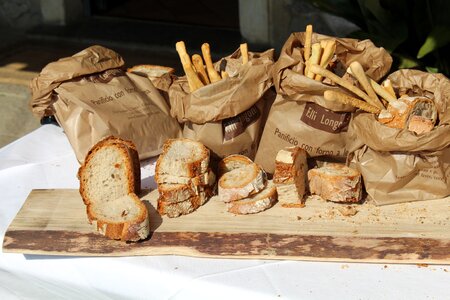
x=344, y=266
x=422, y=265
x=299, y=218
x=445, y=270
x=385, y=266
x=348, y=211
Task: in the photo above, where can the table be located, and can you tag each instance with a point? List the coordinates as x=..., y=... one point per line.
x=44, y=159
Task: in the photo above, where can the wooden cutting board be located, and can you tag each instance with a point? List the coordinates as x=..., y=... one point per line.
x=53, y=222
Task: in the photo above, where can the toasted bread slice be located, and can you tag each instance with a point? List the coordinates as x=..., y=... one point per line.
x=241, y=182
x=183, y=157
x=336, y=182
x=108, y=182
x=256, y=203
x=232, y=162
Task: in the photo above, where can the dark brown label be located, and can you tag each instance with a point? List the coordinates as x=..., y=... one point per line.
x=324, y=119
x=234, y=126
x=105, y=76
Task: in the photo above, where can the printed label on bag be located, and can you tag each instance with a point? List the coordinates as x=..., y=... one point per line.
x=324, y=119
x=105, y=76
x=234, y=126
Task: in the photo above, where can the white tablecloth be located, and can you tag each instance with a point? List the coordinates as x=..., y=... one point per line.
x=44, y=159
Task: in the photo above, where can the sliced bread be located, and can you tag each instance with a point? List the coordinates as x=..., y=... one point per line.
x=108, y=183
x=207, y=178
x=290, y=176
x=183, y=157
x=336, y=182
x=173, y=210
x=232, y=162
x=257, y=203
x=241, y=182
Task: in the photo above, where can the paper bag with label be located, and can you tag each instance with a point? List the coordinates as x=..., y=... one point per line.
x=226, y=115
x=92, y=97
x=398, y=165
x=300, y=116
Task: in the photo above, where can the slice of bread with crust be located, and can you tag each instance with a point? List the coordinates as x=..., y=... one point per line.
x=336, y=182
x=173, y=210
x=183, y=157
x=207, y=178
x=241, y=182
x=232, y=162
x=108, y=183
x=290, y=176
x=124, y=218
x=257, y=203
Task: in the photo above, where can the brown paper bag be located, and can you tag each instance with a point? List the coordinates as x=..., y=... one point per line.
x=300, y=115
x=92, y=97
x=226, y=115
x=398, y=165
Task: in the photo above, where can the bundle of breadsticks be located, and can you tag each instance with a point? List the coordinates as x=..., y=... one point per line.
x=200, y=71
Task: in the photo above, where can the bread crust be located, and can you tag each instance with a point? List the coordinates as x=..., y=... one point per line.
x=173, y=210
x=151, y=70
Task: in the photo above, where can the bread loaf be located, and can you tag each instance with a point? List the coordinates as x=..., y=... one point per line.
x=151, y=71
x=290, y=176
x=108, y=185
x=257, y=203
x=336, y=182
x=241, y=182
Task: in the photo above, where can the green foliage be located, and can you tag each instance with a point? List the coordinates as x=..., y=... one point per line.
x=416, y=33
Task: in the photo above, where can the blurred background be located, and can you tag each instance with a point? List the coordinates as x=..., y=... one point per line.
x=36, y=32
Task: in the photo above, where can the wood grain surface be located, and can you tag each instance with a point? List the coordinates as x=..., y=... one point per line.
x=54, y=222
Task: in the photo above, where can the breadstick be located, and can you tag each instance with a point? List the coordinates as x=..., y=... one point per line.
x=381, y=91
x=224, y=74
x=308, y=42
x=314, y=59
x=328, y=52
x=388, y=87
x=360, y=75
x=346, y=99
x=213, y=75
x=244, y=53
x=192, y=78
x=200, y=68
x=338, y=80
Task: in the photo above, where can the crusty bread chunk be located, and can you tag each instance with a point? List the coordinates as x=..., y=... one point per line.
x=241, y=182
x=257, y=203
x=232, y=162
x=336, y=182
x=417, y=114
x=173, y=210
x=108, y=184
x=290, y=176
x=183, y=157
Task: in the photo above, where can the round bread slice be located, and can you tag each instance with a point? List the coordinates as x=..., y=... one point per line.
x=124, y=218
x=183, y=157
x=256, y=203
x=207, y=178
x=241, y=182
x=232, y=162
x=173, y=210
x=336, y=182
